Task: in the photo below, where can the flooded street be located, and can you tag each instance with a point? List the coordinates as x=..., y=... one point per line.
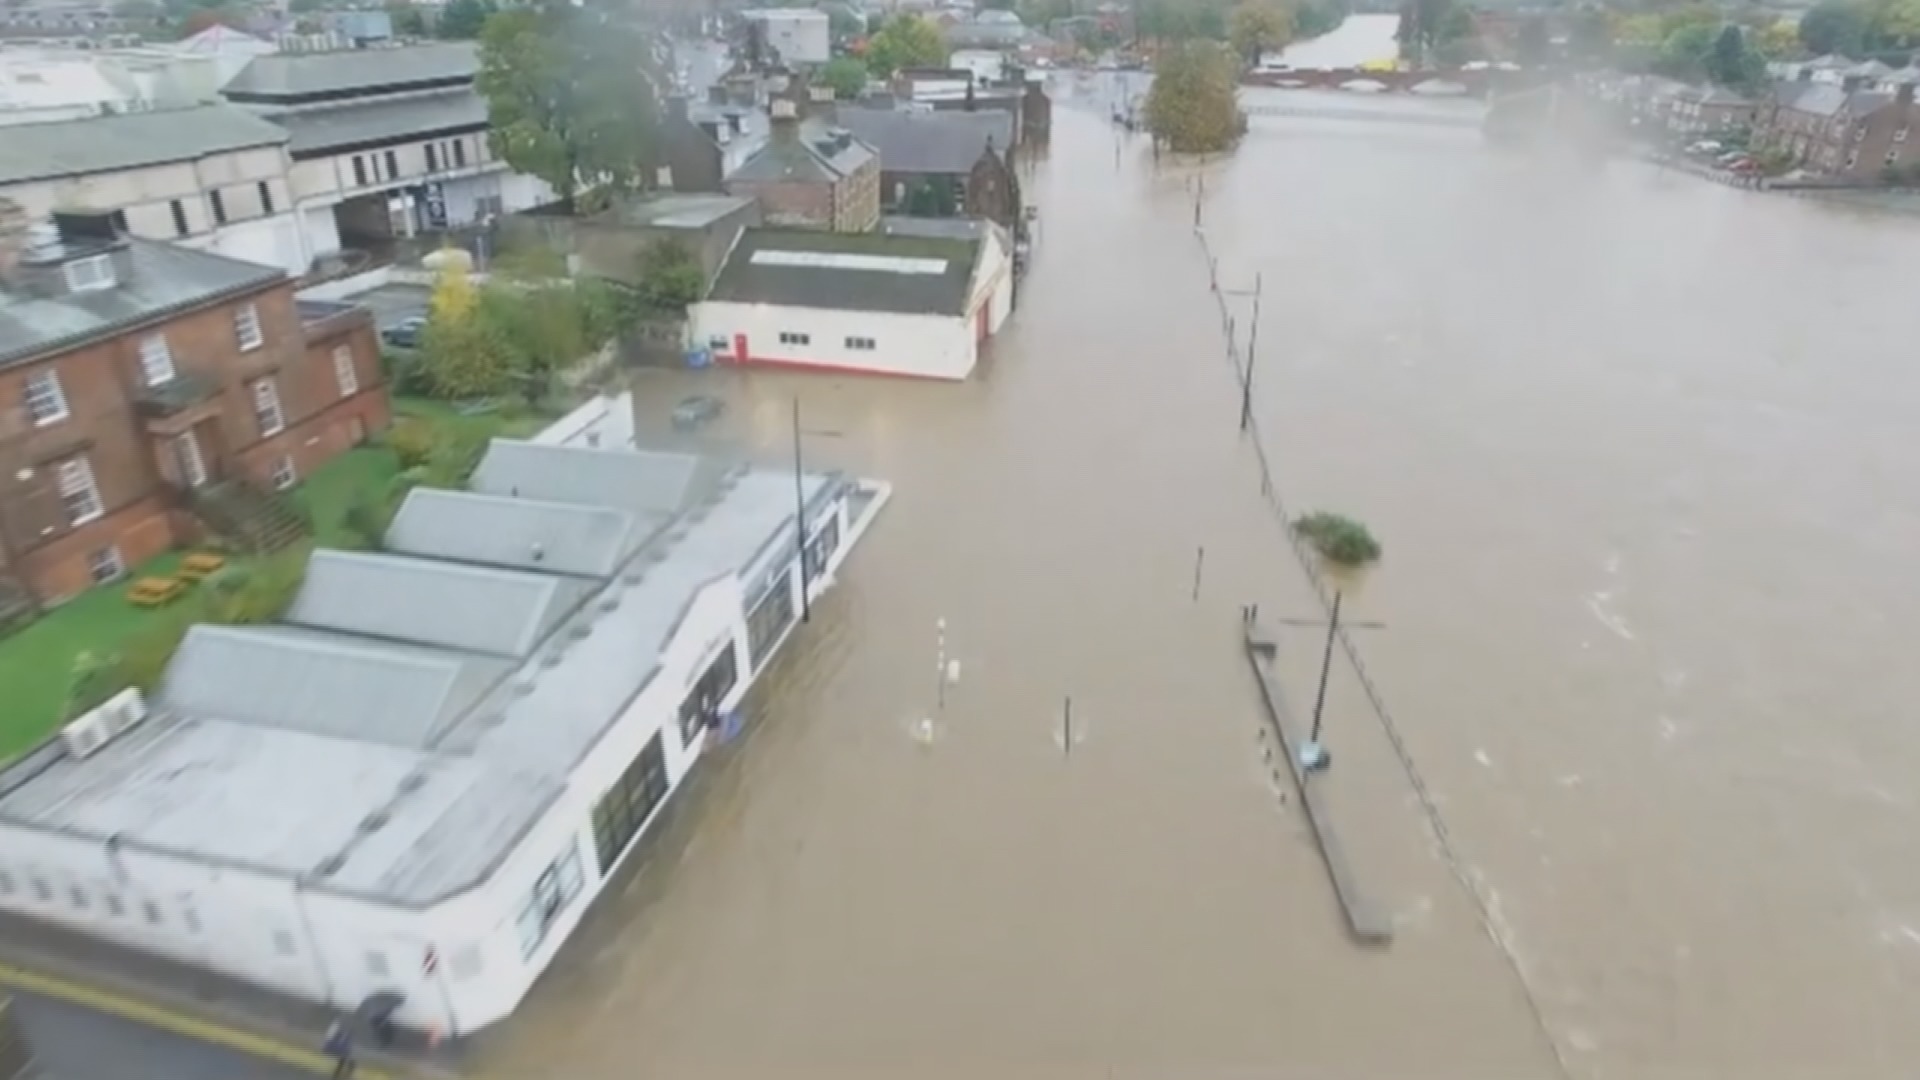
x=1640, y=453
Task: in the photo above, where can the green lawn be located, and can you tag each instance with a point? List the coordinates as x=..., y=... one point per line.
x=37, y=663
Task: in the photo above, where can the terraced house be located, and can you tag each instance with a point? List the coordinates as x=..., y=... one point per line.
x=147, y=387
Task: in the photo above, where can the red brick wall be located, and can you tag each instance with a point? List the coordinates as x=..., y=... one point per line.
x=130, y=465
x=799, y=205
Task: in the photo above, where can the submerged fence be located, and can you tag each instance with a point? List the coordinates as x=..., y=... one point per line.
x=1323, y=590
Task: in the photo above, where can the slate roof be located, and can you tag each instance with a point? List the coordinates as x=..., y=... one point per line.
x=638, y=481
x=521, y=534
x=101, y=144
x=803, y=159
x=284, y=677
x=432, y=602
x=939, y=228
x=744, y=280
x=164, y=280
x=947, y=143
x=316, y=131
x=291, y=75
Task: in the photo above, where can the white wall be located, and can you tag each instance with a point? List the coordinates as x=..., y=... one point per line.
x=801, y=34
x=927, y=346
x=987, y=65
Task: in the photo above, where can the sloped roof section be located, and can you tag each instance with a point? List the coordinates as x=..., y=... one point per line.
x=641, y=481
x=520, y=534
x=101, y=144
x=295, y=75
x=912, y=275
x=502, y=613
x=317, y=131
x=164, y=279
x=948, y=143
x=324, y=684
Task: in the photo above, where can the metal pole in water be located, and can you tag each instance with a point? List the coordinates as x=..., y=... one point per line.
x=800, y=516
x=1326, y=662
x=1066, y=726
x=940, y=662
x=1253, y=341
x=1199, y=560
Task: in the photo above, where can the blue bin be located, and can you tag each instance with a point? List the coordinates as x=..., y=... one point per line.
x=699, y=358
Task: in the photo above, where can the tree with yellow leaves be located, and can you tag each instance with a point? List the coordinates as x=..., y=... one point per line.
x=463, y=355
x=1258, y=27
x=1192, y=108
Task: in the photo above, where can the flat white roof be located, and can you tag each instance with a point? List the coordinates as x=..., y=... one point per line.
x=365, y=752
x=842, y=260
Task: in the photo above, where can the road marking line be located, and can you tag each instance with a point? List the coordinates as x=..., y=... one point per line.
x=177, y=1023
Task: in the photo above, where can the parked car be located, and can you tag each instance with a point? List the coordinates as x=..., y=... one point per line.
x=697, y=411
x=406, y=333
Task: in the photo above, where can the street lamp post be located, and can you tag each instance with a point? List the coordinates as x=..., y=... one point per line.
x=1313, y=756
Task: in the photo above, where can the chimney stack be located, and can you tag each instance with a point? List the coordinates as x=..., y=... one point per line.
x=13, y=237
x=1903, y=96
x=785, y=119
x=1850, y=83
x=717, y=94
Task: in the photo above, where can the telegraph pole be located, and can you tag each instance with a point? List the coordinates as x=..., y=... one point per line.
x=1312, y=755
x=1253, y=342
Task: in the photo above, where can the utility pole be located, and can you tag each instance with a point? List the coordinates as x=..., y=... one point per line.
x=800, y=516
x=1253, y=342
x=1313, y=756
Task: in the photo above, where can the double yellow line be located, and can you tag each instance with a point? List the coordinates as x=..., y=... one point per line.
x=177, y=1023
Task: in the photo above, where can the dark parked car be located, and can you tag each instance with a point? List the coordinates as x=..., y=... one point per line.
x=696, y=411
x=406, y=333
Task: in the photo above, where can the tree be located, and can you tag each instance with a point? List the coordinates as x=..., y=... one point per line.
x=407, y=19
x=1191, y=107
x=462, y=20
x=1340, y=541
x=570, y=92
x=845, y=75
x=1777, y=40
x=1258, y=27
x=670, y=277
x=906, y=41
x=1834, y=26
x=461, y=356
x=844, y=25
x=1730, y=62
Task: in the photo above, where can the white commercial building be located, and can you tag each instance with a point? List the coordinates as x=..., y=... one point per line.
x=212, y=177
x=896, y=302
x=420, y=779
x=386, y=142
x=799, y=35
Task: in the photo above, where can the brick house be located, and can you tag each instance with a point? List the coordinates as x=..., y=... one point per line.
x=1700, y=110
x=1841, y=132
x=138, y=379
x=809, y=173
x=966, y=156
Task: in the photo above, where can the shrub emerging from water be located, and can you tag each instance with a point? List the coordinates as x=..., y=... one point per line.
x=1340, y=540
x=1192, y=107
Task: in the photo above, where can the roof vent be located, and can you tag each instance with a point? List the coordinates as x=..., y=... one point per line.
x=99, y=726
x=492, y=720
x=553, y=658
x=611, y=601
x=524, y=685
x=738, y=471
x=412, y=782
x=330, y=866
x=43, y=241
x=634, y=576
x=699, y=512
x=580, y=630
x=676, y=534
x=539, y=551
x=373, y=822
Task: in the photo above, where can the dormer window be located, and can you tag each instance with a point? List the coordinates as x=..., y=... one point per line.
x=90, y=274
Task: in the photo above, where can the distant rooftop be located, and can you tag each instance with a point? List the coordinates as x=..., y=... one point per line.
x=101, y=144
x=675, y=210
x=853, y=271
x=155, y=280
x=353, y=122
x=944, y=143
x=419, y=709
x=819, y=154
x=290, y=75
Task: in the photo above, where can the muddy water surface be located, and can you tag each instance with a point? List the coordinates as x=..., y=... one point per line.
x=1640, y=454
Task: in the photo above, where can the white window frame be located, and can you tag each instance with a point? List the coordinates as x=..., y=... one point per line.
x=553, y=892
x=106, y=565
x=156, y=360
x=246, y=328
x=344, y=374
x=46, y=400
x=187, y=455
x=91, y=274
x=266, y=408
x=284, y=474
x=74, y=480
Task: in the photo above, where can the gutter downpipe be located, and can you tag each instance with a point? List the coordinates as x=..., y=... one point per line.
x=313, y=940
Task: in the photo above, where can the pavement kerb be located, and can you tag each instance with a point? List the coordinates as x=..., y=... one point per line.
x=202, y=1021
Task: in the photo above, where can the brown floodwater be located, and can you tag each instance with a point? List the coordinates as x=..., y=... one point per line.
x=1640, y=450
